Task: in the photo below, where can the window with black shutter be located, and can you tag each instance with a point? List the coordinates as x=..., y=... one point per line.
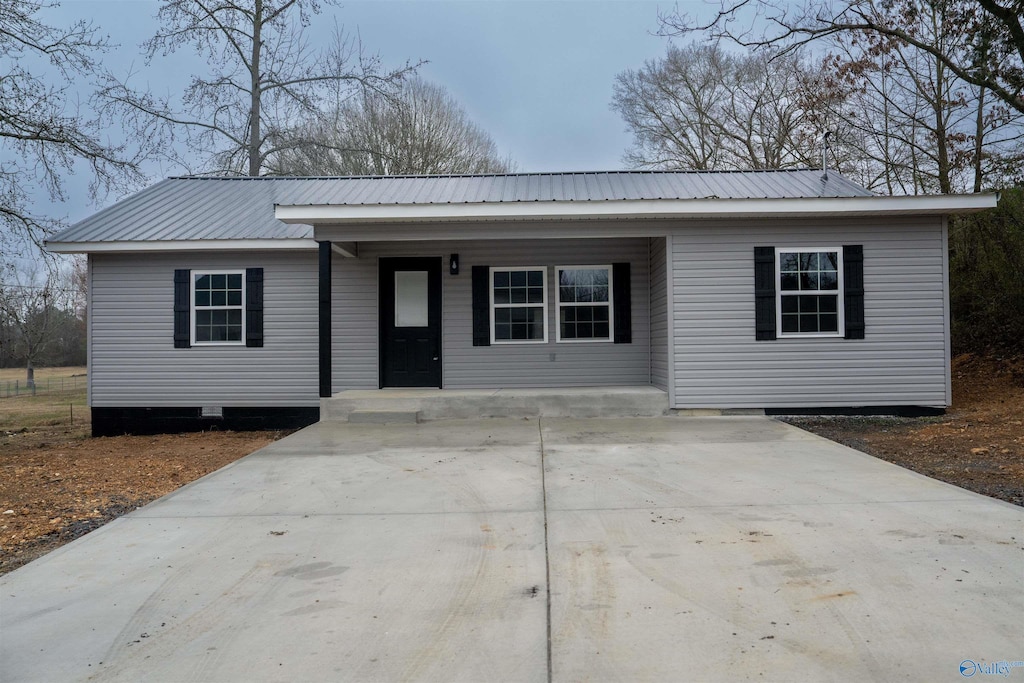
x=808, y=292
x=222, y=307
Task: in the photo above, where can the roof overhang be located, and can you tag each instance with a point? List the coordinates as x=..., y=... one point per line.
x=340, y=214
x=179, y=245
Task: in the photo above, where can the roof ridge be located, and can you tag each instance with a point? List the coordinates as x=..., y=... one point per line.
x=504, y=175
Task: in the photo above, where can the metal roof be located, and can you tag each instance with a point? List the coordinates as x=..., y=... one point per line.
x=219, y=208
x=570, y=187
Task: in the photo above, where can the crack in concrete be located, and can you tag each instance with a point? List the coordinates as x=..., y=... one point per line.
x=547, y=554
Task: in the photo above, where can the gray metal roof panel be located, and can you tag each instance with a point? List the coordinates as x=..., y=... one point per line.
x=205, y=208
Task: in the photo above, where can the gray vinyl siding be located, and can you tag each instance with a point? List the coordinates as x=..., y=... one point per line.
x=902, y=361
x=466, y=366
x=354, y=323
x=133, y=362
x=659, y=314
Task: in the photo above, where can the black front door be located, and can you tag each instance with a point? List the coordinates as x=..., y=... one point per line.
x=410, y=322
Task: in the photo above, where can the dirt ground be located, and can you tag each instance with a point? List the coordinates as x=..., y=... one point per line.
x=978, y=444
x=57, y=483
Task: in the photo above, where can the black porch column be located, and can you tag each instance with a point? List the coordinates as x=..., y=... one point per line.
x=325, y=319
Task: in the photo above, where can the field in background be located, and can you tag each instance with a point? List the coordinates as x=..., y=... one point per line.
x=13, y=383
x=42, y=373
x=59, y=403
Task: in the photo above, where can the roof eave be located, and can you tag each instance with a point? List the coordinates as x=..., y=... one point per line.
x=634, y=208
x=121, y=246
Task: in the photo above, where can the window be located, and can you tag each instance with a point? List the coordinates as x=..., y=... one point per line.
x=412, y=300
x=519, y=305
x=810, y=292
x=217, y=307
x=584, y=303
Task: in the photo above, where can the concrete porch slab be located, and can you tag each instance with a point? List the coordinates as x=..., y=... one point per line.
x=460, y=404
x=384, y=416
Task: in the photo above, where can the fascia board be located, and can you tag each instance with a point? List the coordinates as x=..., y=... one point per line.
x=180, y=245
x=626, y=209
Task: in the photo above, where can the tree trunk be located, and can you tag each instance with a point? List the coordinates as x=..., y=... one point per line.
x=940, y=105
x=254, y=92
x=887, y=136
x=941, y=138
x=979, y=138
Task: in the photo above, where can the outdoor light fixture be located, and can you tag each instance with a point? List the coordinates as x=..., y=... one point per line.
x=453, y=264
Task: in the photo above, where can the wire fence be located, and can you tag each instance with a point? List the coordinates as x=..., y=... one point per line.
x=13, y=388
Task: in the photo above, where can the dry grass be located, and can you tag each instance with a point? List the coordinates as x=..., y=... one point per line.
x=50, y=408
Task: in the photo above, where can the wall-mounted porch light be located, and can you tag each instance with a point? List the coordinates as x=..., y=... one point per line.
x=453, y=264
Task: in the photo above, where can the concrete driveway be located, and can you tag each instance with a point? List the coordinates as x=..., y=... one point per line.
x=704, y=549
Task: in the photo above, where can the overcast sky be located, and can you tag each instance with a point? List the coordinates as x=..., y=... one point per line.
x=537, y=75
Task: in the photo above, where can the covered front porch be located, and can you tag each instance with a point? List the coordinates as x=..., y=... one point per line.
x=481, y=308
x=406, y=316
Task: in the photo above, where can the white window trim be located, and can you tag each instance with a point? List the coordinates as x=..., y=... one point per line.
x=610, y=304
x=840, y=298
x=544, y=304
x=196, y=274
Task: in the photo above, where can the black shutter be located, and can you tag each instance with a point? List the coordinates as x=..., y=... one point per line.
x=254, y=307
x=182, y=319
x=853, y=290
x=481, y=306
x=764, y=293
x=623, y=303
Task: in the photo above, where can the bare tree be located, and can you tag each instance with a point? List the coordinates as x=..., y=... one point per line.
x=991, y=56
x=264, y=77
x=669, y=106
x=701, y=107
x=44, y=132
x=419, y=129
x=29, y=302
x=922, y=128
x=43, y=314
